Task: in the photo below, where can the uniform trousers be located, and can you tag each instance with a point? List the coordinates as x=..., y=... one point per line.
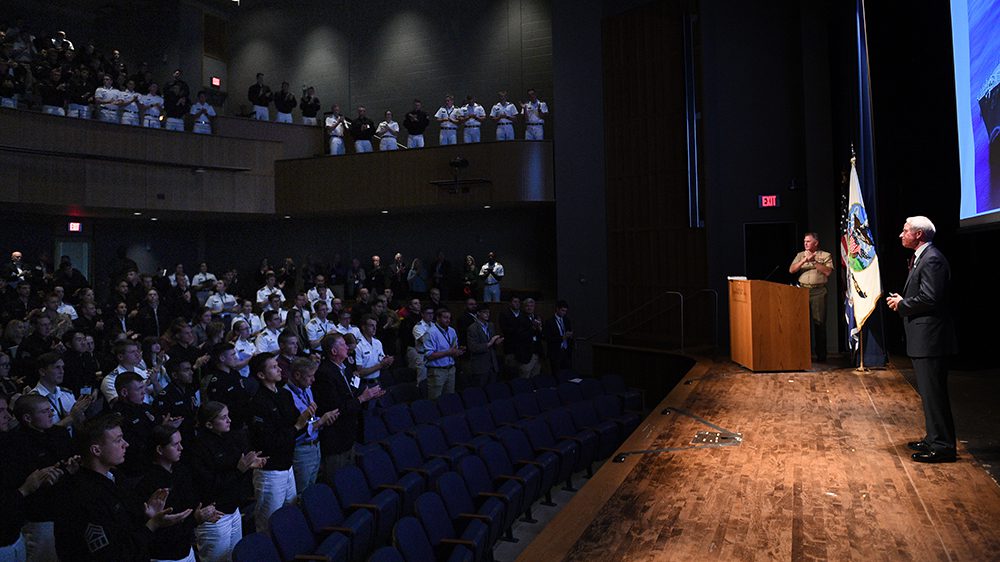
x=260, y=113
x=530, y=369
x=415, y=360
x=362, y=146
x=40, y=541
x=309, y=121
x=151, y=121
x=534, y=132
x=202, y=128
x=305, y=465
x=79, y=110
x=337, y=147
x=470, y=134
x=216, y=541
x=335, y=461
x=9, y=103
x=54, y=110
x=283, y=118
x=505, y=131
x=440, y=380
x=109, y=115
x=415, y=141
x=388, y=143
x=817, y=316
x=448, y=136
x=175, y=124
x=130, y=118
x=273, y=489
x=15, y=552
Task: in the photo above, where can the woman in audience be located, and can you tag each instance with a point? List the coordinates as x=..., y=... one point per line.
x=165, y=472
x=470, y=278
x=13, y=335
x=242, y=339
x=417, y=279
x=153, y=359
x=294, y=323
x=388, y=130
x=8, y=386
x=200, y=326
x=215, y=333
x=222, y=468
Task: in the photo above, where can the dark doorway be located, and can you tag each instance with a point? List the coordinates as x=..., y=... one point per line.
x=769, y=248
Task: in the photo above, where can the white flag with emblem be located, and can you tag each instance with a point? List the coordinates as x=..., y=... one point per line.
x=864, y=284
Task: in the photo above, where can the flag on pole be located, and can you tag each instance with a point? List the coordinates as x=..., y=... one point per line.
x=864, y=284
x=852, y=326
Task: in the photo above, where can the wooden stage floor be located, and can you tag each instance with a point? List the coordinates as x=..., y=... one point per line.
x=822, y=473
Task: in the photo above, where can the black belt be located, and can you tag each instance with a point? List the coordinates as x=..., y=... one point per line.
x=472, y=126
x=338, y=136
x=507, y=123
x=310, y=443
x=536, y=124
x=448, y=128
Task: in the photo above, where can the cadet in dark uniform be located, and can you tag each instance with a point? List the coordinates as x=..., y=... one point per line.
x=138, y=422
x=180, y=399
x=176, y=102
x=227, y=386
x=221, y=468
x=99, y=520
x=309, y=104
x=284, y=102
x=260, y=95
x=362, y=129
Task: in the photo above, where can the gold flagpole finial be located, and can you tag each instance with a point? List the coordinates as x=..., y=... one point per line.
x=854, y=159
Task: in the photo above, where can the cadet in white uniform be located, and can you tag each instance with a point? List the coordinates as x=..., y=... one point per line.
x=107, y=97
x=534, y=112
x=504, y=113
x=473, y=115
x=202, y=111
x=448, y=117
x=336, y=127
x=387, y=130
x=151, y=105
x=130, y=105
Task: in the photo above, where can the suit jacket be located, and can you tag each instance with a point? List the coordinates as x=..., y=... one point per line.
x=332, y=392
x=553, y=339
x=925, y=308
x=482, y=359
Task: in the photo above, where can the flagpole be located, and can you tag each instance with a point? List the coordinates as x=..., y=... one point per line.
x=861, y=350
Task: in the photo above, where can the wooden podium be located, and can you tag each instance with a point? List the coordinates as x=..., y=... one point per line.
x=769, y=326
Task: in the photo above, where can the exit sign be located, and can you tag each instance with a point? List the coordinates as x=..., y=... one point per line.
x=768, y=201
x=75, y=227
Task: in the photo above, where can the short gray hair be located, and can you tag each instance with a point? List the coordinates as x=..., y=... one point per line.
x=923, y=224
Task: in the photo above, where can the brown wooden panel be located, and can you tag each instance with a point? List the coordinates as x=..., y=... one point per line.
x=651, y=249
x=520, y=171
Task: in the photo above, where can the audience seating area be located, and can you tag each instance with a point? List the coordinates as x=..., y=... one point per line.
x=446, y=479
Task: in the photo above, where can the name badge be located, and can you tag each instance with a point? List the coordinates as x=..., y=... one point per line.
x=356, y=381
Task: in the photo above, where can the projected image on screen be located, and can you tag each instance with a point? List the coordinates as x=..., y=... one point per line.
x=977, y=84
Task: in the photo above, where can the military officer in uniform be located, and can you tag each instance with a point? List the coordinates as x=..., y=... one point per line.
x=130, y=105
x=309, y=104
x=284, y=102
x=180, y=398
x=534, y=112
x=473, y=115
x=202, y=112
x=336, y=127
x=814, y=267
x=504, y=113
x=151, y=105
x=387, y=131
x=176, y=99
x=416, y=122
x=107, y=98
x=362, y=129
x=448, y=118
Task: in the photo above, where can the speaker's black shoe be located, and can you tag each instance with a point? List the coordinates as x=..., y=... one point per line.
x=918, y=446
x=935, y=456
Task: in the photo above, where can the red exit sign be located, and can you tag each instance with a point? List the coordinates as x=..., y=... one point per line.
x=768, y=201
x=75, y=227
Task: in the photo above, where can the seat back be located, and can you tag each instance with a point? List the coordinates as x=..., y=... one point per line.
x=591, y=388
x=526, y=405
x=613, y=384
x=291, y=532
x=584, y=414
x=497, y=390
x=474, y=397
x=351, y=486
x=379, y=469
x=386, y=554
x=424, y=411
x=495, y=458
x=516, y=443
x=561, y=423
x=569, y=393
x=456, y=429
x=608, y=406
x=538, y=433
x=450, y=404
x=374, y=429
x=430, y=439
x=544, y=381
x=409, y=537
x=503, y=411
x=321, y=508
x=404, y=451
x=520, y=386
x=431, y=511
x=547, y=399
x=455, y=494
x=480, y=420
x=256, y=547
x=397, y=418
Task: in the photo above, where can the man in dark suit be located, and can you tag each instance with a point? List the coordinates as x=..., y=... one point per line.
x=558, y=334
x=930, y=337
x=482, y=340
x=337, y=388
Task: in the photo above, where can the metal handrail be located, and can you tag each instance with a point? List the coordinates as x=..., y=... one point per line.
x=680, y=301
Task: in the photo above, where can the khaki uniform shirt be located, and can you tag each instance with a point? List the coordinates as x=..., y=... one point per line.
x=808, y=274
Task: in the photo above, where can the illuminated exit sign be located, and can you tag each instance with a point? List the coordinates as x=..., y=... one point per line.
x=75, y=227
x=768, y=201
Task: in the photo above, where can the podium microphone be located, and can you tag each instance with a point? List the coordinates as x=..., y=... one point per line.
x=772, y=272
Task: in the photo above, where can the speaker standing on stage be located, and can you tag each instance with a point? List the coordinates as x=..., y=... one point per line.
x=814, y=267
x=930, y=337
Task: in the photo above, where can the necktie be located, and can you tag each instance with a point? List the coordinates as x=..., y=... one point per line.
x=910, y=262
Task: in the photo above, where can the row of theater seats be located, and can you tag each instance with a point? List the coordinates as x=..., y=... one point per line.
x=446, y=479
